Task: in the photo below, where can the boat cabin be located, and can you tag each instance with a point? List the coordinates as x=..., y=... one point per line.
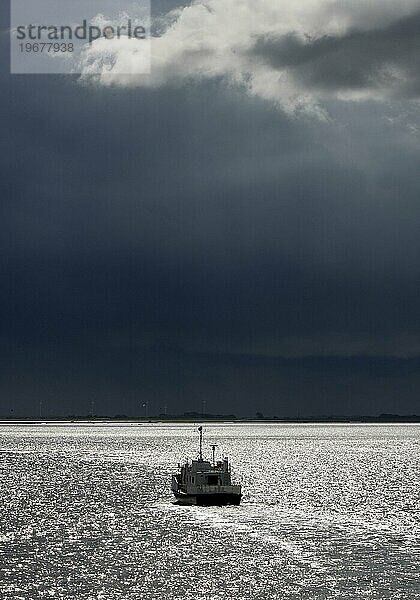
x=202, y=472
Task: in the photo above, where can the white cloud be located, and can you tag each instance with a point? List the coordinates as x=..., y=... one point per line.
x=116, y=57
x=215, y=39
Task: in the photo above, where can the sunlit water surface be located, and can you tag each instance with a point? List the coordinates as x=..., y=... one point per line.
x=328, y=512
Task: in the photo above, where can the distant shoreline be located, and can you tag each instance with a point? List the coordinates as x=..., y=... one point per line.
x=197, y=417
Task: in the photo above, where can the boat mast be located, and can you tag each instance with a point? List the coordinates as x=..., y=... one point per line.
x=200, y=429
x=213, y=447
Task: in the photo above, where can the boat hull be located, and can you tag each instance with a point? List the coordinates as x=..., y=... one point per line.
x=216, y=499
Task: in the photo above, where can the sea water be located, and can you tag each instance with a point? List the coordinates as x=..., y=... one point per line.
x=329, y=511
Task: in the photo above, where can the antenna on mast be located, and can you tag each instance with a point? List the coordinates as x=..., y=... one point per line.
x=200, y=429
x=213, y=447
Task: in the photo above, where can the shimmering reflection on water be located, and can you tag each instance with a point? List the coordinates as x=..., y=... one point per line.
x=328, y=512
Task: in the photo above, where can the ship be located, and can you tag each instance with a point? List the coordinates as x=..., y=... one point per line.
x=204, y=483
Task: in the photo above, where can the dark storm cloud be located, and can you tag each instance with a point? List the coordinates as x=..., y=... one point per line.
x=184, y=244
x=387, y=57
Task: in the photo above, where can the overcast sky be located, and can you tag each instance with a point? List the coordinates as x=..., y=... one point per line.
x=241, y=227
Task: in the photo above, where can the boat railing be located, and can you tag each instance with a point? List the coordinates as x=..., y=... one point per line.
x=210, y=489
